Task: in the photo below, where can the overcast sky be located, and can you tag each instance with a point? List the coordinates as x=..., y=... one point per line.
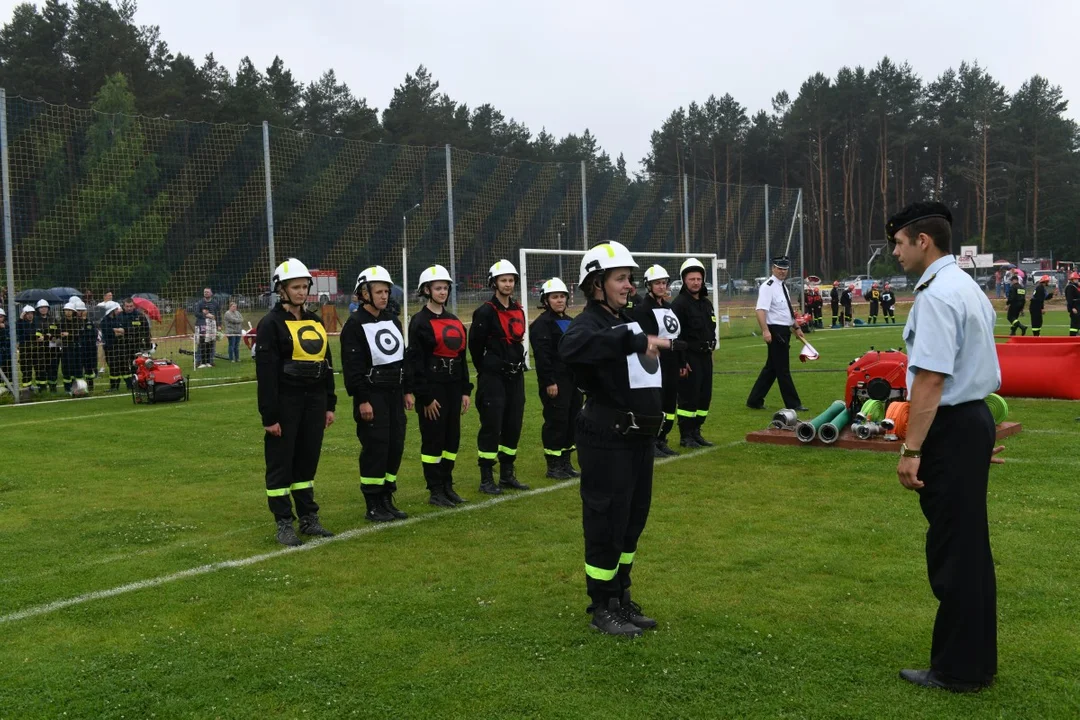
x=620, y=67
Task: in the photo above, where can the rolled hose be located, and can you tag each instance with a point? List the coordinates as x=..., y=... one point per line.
x=830, y=431
x=873, y=410
x=998, y=407
x=898, y=413
x=807, y=430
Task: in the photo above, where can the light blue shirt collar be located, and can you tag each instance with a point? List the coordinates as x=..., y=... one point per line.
x=934, y=269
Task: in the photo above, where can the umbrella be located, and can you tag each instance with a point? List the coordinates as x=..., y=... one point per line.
x=148, y=307
x=65, y=293
x=30, y=297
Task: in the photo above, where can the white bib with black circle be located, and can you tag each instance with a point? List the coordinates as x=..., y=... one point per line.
x=667, y=323
x=385, y=342
x=644, y=371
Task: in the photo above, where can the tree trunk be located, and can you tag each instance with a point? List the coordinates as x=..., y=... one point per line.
x=982, y=229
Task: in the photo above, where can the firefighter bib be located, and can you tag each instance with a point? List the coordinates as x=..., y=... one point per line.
x=309, y=340
x=512, y=322
x=643, y=371
x=449, y=337
x=667, y=323
x=385, y=342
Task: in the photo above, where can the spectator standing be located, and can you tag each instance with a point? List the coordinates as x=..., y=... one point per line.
x=207, y=303
x=205, y=335
x=234, y=328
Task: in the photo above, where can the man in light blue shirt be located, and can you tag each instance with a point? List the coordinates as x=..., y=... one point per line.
x=952, y=367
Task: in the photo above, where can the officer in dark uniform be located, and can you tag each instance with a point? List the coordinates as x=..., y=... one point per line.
x=656, y=317
x=88, y=345
x=1072, y=303
x=846, y=317
x=698, y=329
x=617, y=366
x=1015, y=300
x=47, y=329
x=558, y=394
x=834, y=296
x=1038, y=300
x=888, y=300
x=135, y=338
x=497, y=347
x=437, y=384
x=949, y=447
x=372, y=362
x=875, y=299
x=777, y=320
x=819, y=306
x=71, y=350
x=295, y=373
x=27, y=339
x=112, y=340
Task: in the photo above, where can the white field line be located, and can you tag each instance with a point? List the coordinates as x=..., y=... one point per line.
x=123, y=395
x=38, y=610
x=49, y=421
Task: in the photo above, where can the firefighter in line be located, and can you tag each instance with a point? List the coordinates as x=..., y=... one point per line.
x=112, y=340
x=497, y=348
x=697, y=327
x=834, y=297
x=617, y=366
x=1038, y=300
x=888, y=300
x=656, y=317
x=1015, y=300
x=295, y=372
x=5, y=346
x=71, y=351
x=813, y=303
x=874, y=296
x=27, y=340
x=437, y=383
x=47, y=329
x=135, y=338
x=1072, y=303
x=845, y=306
x=559, y=395
x=88, y=344
x=372, y=364
x=819, y=307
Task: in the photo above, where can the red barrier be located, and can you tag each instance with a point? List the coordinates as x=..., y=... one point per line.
x=1040, y=369
x=1042, y=340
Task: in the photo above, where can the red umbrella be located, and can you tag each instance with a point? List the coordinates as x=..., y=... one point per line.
x=147, y=307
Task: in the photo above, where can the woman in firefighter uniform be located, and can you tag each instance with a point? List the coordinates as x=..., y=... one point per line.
x=47, y=329
x=559, y=396
x=617, y=366
x=112, y=341
x=27, y=340
x=372, y=363
x=846, y=317
x=71, y=351
x=656, y=317
x=888, y=300
x=294, y=369
x=88, y=344
x=1016, y=299
x=834, y=299
x=698, y=329
x=1038, y=301
x=437, y=384
x=497, y=349
x=874, y=296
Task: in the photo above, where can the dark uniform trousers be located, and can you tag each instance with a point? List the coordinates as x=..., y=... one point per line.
x=72, y=363
x=874, y=311
x=28, y=366
x=560, y=416
x=49, y=369
x=1036, y=320
x=382, y=440
x=616, y=492
x=955, y=468
x=695, y=391
x=669, y=377
x=89, y=356
x=500, y=400
x=441, y=437
x=777, y=369
x=293, y=458
x=114, y=359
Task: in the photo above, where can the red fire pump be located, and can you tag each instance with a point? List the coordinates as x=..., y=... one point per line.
x=157, y=381
x=877, y=375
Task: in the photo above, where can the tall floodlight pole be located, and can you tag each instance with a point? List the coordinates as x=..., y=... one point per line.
x=405, y=267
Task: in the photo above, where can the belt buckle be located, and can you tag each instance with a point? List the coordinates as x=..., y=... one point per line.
x=633, y=423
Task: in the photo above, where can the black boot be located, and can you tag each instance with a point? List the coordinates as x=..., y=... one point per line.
x=1023, y=330
x=662, y=446
x=610, y=620
x=286, y=535
x=632, y=612
x=439, y=499
x=697, y=433
x=555, y=469
x=309, y=525
x=448, y=491
x=507, y=478
x=387, y=500
x=375, y=511
x=686, y=434
x=567, y=466
x=487, y=481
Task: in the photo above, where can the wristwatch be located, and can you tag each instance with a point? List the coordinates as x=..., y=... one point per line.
x=905, y=451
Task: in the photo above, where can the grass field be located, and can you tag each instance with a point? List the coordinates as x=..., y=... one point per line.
x=141, y=578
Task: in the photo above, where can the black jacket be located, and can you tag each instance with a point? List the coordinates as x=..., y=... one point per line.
x=874, y=295
x=834, y=296
x=887, y=298
x=1016, y=297
x=291, y=353
x=136, y=338
x=601, y=350
x=436, y=354
x=845, y=298
x=25, y=334
x=497, y=336
x=47, y=327
x=1039, y=297
x=372, y=355
x=696, y=320
x=1072, y=298
x=544, y=336
x=646, y=316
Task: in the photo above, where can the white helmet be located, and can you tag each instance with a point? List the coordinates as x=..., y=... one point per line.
x=433, y=273
x=26, y=309
x=656, y=272
x=70, y=304
x=554, y=285
x=79, y=304
x=110, y=307
x=42, y=303
x=502, y=267
x=291, y=269
x=375, y=273
x=3, y=312
x=605, y=256
x=691, y=264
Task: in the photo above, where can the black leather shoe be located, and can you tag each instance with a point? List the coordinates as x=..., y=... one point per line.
x=801, y=408
x=931, y=679
x=688, y=441
x=755, y=407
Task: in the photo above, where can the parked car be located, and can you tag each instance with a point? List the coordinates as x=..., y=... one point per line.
x=898, y=282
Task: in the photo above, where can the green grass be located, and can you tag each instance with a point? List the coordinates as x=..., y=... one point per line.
x=789, y=582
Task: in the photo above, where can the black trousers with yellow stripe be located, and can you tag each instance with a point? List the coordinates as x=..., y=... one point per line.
x=695, y=392
x=293, y=458
x=382, y=440
x=560, y=416
x=440, y=438
x=500, y=402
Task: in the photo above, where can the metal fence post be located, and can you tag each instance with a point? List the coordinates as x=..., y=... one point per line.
x=584, y=210
x=9, y=259
x=450, y=230
x=686, y=212
x=768, y=249
x=269, y=200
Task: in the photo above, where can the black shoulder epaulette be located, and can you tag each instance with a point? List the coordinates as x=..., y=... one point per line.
x=926, y=284
x=769, y=281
